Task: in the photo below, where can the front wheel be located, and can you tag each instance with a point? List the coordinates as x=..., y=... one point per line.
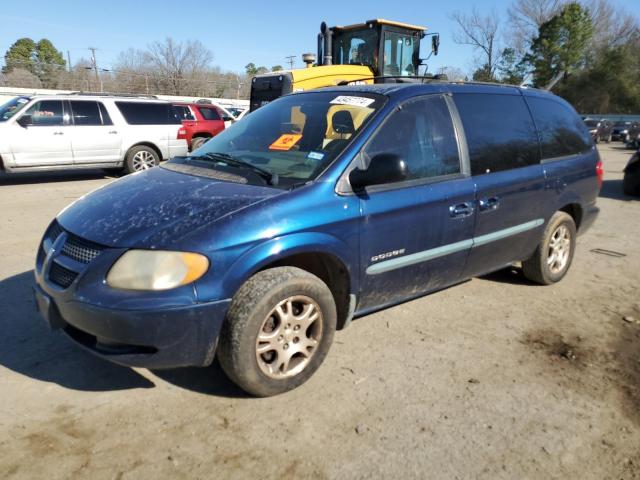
x=278, y=331
x=552, y=259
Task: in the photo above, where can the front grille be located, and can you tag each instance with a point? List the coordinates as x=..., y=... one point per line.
x=61, y=276
x=80, y=250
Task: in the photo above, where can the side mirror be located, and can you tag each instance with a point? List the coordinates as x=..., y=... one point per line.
x=384, y=168
x=435, y=44
x=25, y=121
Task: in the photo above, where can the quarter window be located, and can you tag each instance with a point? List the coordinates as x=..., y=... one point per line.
x=209, y=113
x=46, y=113
x=422, y=134
x=499, y=130
x=562, y=132
x=85, y=113
x=148, y=113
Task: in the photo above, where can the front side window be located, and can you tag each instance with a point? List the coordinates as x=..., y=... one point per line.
x=46, y=113
x=561, y=130
x=85, y=113
x=295, y=137
x=422, y=134
x=399, y=53
x=184, y=112
x=500, y=132
x=356, y=47
x=13, y=106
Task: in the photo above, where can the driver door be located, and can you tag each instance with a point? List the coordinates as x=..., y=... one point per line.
x=415, y=235
x=46, y=139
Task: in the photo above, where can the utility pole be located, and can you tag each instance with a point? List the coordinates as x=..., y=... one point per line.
x=94, y=64
x=69, y=60
x=291, y=59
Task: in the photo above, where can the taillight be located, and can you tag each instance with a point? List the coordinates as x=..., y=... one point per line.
x=182, y=133
x=600, y=172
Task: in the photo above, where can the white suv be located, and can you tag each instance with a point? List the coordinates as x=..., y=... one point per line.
x=83, y=131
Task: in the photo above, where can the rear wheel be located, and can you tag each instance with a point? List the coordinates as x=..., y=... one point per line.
x=141, y=158
x=278, y=331
x=197, y=142
x=552, y=259
x=631, y=181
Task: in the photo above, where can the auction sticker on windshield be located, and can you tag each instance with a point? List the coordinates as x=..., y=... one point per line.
x=285, y=141
x=354, y=101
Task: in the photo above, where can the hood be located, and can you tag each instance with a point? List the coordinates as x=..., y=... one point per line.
x=156, y=208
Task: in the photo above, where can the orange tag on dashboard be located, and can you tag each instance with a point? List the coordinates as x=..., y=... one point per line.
x=286, y=141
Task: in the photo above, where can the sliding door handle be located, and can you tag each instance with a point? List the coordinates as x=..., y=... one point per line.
x=461, y=210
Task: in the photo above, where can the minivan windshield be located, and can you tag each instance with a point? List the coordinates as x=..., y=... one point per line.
x=293, y=139
x=10, y=108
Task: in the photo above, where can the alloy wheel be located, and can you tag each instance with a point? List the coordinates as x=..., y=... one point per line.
x=289, y=337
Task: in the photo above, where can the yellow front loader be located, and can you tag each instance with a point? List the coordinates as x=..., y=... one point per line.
x=362, y=53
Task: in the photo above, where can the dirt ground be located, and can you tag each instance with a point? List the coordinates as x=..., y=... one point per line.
x=495, y=378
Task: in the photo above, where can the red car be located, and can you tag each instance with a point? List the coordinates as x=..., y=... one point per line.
x=200, y=122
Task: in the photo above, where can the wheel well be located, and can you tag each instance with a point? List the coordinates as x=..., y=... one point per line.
x=575, y=210
x=328, y=269
x=146, y=144
x=1, y=165
x=202, y=135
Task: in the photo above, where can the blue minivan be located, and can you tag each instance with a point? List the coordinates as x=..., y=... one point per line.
x=318, y=208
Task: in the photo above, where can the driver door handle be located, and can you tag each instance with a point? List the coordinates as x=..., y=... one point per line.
x=489, y=204
x=58, y=133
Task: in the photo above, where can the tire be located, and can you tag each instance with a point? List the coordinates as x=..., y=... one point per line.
x=197, y=142
x=141, y=158
x=608, y=140
x=631, y=181
x=540, y=268
x=254, y=310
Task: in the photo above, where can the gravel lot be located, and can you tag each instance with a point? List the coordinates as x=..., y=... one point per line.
x=495, y=378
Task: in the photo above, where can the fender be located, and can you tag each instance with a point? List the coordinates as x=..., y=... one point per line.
x=278, y=248
x=565, y=198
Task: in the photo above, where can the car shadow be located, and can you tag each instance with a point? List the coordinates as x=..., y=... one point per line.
x=512, y=275
x=53, y=177
x=28, y=347
x=613, y=189
x=208, y=380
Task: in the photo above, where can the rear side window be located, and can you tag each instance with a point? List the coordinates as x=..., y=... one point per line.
x=499, y=130
x=147, y=113
x=562, y=132
x=209, y=113
x=85, y=113
x=184, y=112
x=422, y=134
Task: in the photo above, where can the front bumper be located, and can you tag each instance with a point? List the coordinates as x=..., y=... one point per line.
x=139, y=329
x=155, y=338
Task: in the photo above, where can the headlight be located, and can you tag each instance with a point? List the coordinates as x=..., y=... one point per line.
x=156, y=270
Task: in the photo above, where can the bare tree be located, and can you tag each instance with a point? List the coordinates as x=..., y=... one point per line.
x=179, y=65
x=19, y=77
x=481, y=32
x=612, y=25
x=524, y=18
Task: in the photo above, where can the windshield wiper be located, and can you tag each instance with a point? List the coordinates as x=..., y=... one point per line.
x=271, y=178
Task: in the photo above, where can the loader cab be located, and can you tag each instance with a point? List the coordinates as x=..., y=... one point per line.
x=388, y=48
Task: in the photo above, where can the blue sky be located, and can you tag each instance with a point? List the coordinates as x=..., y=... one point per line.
x=236, y=32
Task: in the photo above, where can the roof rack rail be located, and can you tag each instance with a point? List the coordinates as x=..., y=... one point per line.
x=398, y=78
x=108, y=94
